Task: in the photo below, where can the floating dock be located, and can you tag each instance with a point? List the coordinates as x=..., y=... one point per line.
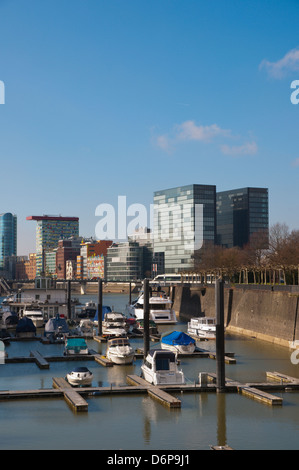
x=71, y=396
x=40, y=360
x=163, y=394
x=155, y=392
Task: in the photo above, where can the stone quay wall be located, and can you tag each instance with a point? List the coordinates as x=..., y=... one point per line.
x=266, y=312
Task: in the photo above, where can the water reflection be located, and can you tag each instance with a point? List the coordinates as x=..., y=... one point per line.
x=221, y=419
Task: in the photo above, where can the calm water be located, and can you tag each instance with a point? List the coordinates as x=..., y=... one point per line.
x=138, y=422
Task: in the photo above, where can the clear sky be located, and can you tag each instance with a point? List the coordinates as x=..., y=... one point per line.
x=111, y=97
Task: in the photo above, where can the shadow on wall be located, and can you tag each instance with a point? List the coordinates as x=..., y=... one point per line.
x=188, y=302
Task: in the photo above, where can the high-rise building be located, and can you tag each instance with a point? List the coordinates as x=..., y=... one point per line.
x=8, y=238
x=241, y=214
x=184, y=219
x=124, y=262
x=49, y=230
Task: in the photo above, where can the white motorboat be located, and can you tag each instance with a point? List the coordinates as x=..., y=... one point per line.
x=178, y=342
x=75, y=346
x=119, y=351
x=86, y=328
x=202, y=328
x=80, y=376
x=36, y=315
x=160, y=367
x=160, y=306
x=114, y=324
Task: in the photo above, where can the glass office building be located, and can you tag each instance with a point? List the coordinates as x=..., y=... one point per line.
x=124, y=262
x=241, y=213
x=8, y=237
x=184, y=218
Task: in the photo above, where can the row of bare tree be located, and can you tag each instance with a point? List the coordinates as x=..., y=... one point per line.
x=266, y=259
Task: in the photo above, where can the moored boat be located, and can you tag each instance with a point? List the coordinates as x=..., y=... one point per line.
x=120, y=351
x=80, y=376
x=56, y=329
x=86, y=328
x=114, y=324
x=160, y=307
x=35, y=314
x=9, y=320
x=178, y=342
x=25, y=328
x=160, y=367
x=139, y=327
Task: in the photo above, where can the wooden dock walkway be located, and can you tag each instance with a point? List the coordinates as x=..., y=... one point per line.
x=75, y=396
x=255, y=391
x=40, y=360
x=71, y=396
x=43, y=362
x=100, y=359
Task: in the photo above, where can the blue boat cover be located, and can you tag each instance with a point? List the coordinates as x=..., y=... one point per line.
x=56, y=325
x=25, y=325
x=178, y=337
x=105, y=309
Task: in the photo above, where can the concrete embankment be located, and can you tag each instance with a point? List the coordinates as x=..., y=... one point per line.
x=265, y=312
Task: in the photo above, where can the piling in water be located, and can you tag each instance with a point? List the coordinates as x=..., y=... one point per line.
x=220, y=354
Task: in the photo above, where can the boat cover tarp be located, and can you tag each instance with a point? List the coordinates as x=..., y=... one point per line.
x=105, y=309
x=25, y=325
x=179, y=338
x=9, y=318
x=56, y=325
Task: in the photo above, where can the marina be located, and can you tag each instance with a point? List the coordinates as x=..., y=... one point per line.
x=41, y=365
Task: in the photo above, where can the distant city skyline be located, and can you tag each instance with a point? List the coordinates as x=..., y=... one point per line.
x=104, y=99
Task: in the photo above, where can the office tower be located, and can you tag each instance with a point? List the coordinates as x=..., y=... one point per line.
x=124, y=262
x=8, y=238
x=49, y=230
x=184, y=219
x=242, y=214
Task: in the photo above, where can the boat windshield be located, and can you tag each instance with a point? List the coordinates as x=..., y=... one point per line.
x=119, y=342
x=162, y=364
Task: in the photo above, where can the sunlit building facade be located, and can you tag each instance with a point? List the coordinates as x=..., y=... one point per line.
x=8, y=237
x=49, y=230
x=184, y=219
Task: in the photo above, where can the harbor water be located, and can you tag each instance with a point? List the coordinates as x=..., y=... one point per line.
x=137, y=422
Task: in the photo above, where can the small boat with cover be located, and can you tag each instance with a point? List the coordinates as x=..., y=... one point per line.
x=178, y=342
x=75, y=346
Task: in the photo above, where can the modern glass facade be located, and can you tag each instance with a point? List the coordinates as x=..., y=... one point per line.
x=241, y=213
x=184, y=218
x=124, y=262
x=8, y=237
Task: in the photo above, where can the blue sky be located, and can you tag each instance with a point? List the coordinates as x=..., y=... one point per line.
x=111, y=97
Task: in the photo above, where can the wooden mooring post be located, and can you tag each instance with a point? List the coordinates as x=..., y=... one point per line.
x=100, y=306
x=146, y=317
x=220, y=354
x=69, y=297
